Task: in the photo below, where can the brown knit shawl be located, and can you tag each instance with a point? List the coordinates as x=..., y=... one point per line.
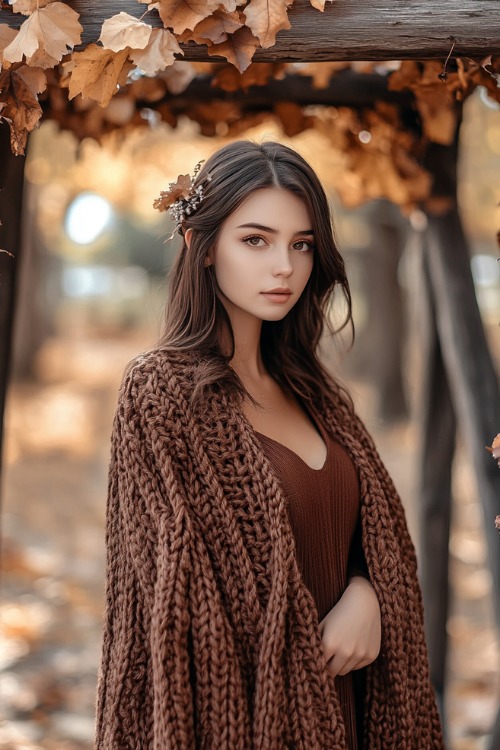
x=211, y=638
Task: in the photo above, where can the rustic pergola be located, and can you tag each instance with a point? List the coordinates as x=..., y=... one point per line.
x=461, y=384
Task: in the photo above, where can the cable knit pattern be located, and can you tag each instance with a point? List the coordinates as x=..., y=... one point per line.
x=211, y=637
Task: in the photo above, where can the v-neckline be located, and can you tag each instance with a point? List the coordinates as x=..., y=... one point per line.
x=296, y=455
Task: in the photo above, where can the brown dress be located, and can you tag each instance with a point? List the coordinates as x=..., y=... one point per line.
x=323, y=507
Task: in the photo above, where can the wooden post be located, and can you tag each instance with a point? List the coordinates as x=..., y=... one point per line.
x=437, y=443
x=11, y=186
x=469, y=367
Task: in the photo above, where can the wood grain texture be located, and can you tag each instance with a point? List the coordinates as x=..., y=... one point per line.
x=347, y=30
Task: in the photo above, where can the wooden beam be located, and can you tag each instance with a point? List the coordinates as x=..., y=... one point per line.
x=347, y=88
x=347, y=30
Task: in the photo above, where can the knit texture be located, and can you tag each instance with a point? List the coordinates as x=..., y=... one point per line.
x=211, y=637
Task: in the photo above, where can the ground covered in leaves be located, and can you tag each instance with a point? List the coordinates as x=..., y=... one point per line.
x=53, y=554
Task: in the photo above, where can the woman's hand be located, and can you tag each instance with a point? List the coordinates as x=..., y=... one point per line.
x=351, y=631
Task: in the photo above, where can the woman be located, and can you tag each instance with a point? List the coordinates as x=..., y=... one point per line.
x=261, y=583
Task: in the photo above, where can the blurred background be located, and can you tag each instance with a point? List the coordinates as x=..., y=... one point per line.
x=91, y=295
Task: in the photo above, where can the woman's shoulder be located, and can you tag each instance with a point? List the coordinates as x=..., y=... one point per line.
x=157, y=370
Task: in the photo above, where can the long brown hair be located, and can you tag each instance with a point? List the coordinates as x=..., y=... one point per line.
x=194, y=315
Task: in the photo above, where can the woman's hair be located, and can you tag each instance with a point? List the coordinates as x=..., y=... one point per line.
x=195, y=318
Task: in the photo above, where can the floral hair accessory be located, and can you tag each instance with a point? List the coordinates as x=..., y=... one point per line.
x=182, y=198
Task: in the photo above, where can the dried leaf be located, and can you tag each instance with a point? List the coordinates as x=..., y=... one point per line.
x=20, y=85
x=318, y=4
x=257, y=74
x=214, y=29
x=96, y=72
x=321, y=73
x=292, y=117
x=180, y=15
x=123, y=30
x=52, y=29
x=159, y=53
x=265, y=18
x=26, y=7
x=7, y=35
x=178, y=189
x=238, y=49
x=495, y=449
x=178, y=76
x=439, y=116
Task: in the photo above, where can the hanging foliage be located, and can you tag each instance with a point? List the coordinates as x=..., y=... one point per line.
x=128, y=77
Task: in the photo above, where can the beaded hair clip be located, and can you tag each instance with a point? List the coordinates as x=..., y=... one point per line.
x=182, y=198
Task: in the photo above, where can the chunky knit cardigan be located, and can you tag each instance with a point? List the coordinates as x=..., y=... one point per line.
x=211, y=637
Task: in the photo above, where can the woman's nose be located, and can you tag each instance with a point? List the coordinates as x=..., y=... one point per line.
x=283, y=266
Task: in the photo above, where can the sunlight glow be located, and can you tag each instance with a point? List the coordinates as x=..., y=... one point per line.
x=87, y=217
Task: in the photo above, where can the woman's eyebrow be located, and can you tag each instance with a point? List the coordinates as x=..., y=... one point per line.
x=263, y=228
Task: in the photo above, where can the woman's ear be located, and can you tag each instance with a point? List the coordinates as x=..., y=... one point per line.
x=188, y=234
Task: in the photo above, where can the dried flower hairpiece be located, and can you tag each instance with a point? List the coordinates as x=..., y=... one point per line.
x=182, y=198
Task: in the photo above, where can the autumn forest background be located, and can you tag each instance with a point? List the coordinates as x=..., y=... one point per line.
x=91, y=288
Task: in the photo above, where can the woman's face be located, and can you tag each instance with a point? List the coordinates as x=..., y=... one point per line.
x=264, y=254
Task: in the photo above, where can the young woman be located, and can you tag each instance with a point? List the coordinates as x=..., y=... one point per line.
x=261, y=583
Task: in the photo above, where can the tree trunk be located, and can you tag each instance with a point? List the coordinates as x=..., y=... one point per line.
x=11, y=185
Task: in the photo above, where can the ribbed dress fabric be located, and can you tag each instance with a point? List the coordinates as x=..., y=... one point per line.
x=323, y=508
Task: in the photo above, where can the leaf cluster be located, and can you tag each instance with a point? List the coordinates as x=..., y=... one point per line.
x=133, y=77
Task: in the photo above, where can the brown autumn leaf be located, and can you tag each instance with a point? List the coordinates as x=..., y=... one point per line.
x=321, y=73
x=214, y=29
x=7, y=35
x=265, y=18
x=96, y=73
x=180, y=15
x=20, y=85
x=123, y=30
x=178, y=76
x=439, y=116
x=53, y=29
x=495, y=449
x=158, y=54
x=318, y=4
x=178, y=189
x=214, y=117
x=292, y=118
x=257, y=74
x=26, y=7
x=238, y=49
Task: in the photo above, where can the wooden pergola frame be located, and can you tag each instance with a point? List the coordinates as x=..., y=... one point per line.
x=460, y=378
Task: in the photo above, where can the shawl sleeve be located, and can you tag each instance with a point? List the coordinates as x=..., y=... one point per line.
x=144, y=697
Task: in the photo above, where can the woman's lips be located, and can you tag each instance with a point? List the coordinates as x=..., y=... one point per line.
x=279, y=297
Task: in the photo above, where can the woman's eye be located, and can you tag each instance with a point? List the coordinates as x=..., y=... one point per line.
x=253, y=240
x=303, y=246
